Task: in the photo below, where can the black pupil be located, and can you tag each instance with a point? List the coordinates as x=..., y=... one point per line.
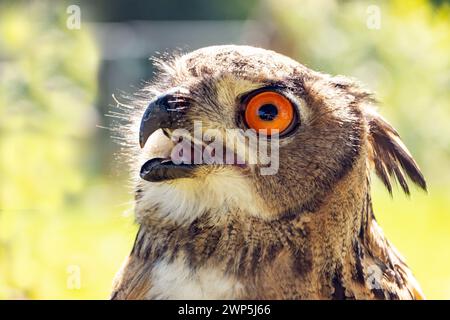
x=267, y=112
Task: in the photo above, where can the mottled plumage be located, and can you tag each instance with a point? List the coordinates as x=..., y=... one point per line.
x=307, y=232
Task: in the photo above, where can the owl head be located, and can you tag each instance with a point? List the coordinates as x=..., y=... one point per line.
x=236, y=100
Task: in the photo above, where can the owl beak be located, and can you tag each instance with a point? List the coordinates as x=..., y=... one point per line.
x=164, y=112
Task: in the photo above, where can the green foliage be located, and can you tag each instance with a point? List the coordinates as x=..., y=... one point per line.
x=53, y=213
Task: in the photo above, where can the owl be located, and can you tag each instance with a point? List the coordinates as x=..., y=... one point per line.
x=277, y=203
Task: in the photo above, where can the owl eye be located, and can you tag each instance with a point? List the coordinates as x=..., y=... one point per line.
x=269, y=110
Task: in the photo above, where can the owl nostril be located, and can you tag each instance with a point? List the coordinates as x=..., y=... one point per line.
x=163, y=112
x=268, y=112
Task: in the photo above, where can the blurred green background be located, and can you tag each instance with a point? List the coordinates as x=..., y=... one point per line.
x=66, y=219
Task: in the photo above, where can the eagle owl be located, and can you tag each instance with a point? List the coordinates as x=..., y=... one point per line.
x=212, y=230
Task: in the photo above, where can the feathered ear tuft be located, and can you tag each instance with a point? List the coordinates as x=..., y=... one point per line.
x=390, y=157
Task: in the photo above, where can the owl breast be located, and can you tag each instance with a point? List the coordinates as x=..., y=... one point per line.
x=176, y=280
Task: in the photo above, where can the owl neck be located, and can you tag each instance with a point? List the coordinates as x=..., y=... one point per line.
x=245, y=240
x=329, y=251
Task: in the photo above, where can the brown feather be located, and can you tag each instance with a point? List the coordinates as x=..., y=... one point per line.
x=308, y=232
x=390, y=156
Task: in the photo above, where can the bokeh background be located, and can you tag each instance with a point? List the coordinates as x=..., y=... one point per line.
x=66, y=219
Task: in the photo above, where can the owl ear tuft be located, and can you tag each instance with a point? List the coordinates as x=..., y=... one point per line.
x=389, y=156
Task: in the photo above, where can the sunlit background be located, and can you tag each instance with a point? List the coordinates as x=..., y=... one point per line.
x=66, y=219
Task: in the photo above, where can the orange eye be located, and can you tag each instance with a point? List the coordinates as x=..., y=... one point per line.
x=269, y=110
